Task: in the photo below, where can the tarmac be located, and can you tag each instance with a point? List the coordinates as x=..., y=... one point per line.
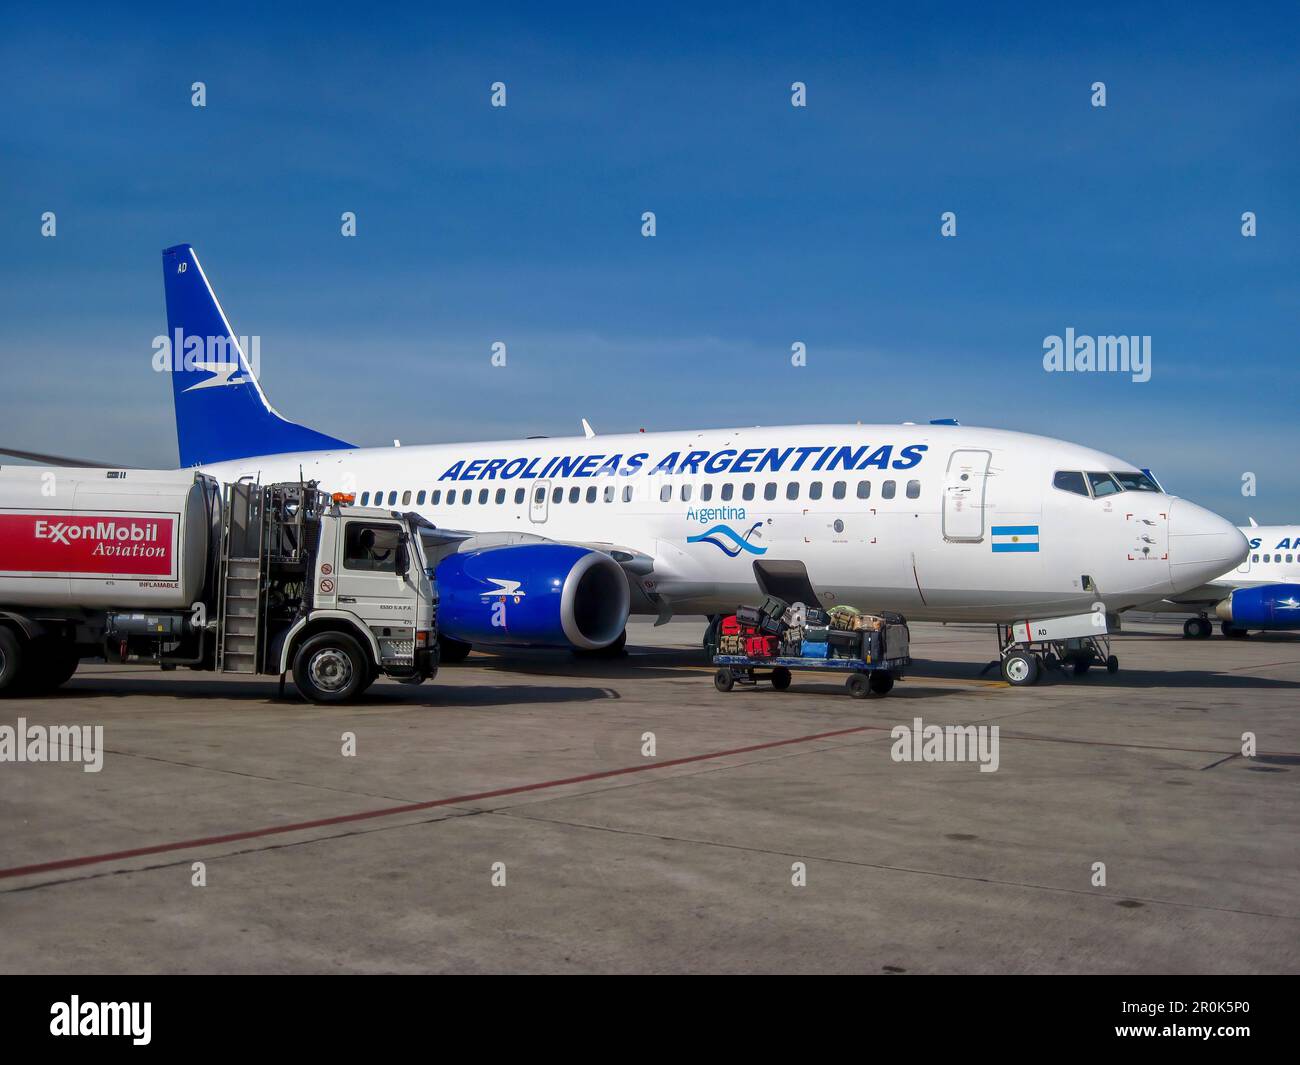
x=534, y=812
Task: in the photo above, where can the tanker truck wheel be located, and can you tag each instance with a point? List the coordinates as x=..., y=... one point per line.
x=11, y=660
x=50, y=663
x=330, y=668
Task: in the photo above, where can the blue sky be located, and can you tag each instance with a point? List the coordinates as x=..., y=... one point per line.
x=775, y=224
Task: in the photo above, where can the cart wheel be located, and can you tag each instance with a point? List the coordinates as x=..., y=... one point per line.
x=881, y=682
x=1020, y=669
x=724, y=680
x=858, y=685
x=780, y=678
x=1112, y=665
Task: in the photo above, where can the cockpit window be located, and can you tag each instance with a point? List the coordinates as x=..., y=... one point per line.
x=1102, y=484
x=1070, y=481
x=1135, y=482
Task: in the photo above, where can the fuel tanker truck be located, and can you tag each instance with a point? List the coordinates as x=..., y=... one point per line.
x=174, y=569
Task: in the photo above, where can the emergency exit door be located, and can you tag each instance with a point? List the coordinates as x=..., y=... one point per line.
x=964, y=487
x=539, y=501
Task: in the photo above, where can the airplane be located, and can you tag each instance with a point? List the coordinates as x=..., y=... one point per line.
x=938, y=522
x=1262, y=593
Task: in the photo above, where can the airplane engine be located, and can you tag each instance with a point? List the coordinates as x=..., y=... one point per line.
x=533, y=595
x=1270, y=606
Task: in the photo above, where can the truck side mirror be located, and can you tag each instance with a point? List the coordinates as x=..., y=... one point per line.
x=403, y=558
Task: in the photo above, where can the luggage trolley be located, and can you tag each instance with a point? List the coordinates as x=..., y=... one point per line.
x=864, y=678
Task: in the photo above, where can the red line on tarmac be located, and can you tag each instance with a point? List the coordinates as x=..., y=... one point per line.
x=391, y=811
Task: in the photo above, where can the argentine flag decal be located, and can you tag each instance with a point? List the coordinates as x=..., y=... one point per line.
x=1014, y=537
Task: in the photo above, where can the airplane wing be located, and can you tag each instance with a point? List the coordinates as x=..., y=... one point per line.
x=63, y=460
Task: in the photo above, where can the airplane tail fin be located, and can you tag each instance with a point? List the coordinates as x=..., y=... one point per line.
x=221, y=411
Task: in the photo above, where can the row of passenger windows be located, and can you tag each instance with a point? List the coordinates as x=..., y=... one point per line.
x=1271, y=558
x=1103, y=484
x=685, y=492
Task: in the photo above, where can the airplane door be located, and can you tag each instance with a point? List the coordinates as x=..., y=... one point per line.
x=1245, y=564
x=540, y=502
x=964, y=486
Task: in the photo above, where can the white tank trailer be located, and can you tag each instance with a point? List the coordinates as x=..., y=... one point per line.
x=171, y=568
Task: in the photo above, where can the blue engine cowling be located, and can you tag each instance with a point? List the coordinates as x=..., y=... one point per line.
x=533, y=595
x=1270, y=606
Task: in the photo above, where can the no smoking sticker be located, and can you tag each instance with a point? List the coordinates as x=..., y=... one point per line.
x=327, y=586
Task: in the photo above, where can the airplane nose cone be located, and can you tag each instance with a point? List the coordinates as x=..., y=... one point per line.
x=1202, y=545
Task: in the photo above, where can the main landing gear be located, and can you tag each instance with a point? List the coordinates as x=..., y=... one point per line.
x=1198, y=628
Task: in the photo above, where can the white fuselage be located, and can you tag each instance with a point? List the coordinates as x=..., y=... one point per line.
x=937, y=522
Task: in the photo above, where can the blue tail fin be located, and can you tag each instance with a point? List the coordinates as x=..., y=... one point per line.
x=221, y=412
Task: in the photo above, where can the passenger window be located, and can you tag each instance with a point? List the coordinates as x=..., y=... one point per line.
x=1070, y=481
x=913, y=489
x=887, y=490
x=1102, y=484
x=574, y=493
x=1267, y=558
x=728, y=490
x=706, y=492
x=747, y=492
x=557, y=496
x=609, y=493
x=769, y=490
x=365, y=498
x=1254, y=558
x=435, y=496
x=451, y=496
x=686, y=492
x=840, y=490
x=519, y=496
x=591, y=493
x=665, y=493
x=815, y=490
x=392, y=499
x=501, y=495
x=864, y=489
x=483, y=495
x=372, y=548
x=539, y=496
x=419, y=498
x=792, y=490
x=627, y=493
x=406, y=498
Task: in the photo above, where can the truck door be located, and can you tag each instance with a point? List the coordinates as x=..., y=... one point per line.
x=367, y=582
x=963, y=496
x=537, y=509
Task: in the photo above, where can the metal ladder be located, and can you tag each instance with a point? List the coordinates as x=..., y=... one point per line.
x=240, y=602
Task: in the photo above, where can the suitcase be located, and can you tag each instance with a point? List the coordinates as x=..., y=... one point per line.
x=748, y=615
x=774, y=607
x=731, y=644
x=815, y=649
x=760, y=646
x=845, y=644
x=730, y=626
x=816, y=633
x=871, y=646
x=796, y=616
x=770, y=626
x=816, y=616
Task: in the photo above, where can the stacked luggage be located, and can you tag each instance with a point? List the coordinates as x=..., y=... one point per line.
x=781, y=630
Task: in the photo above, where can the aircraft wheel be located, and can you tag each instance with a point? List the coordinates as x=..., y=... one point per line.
x=1196, y=629
x=1112, y=665
x=858, y=685
x=724, y=680
x=780, y=678
x=1231, y=632
x=1020, y=668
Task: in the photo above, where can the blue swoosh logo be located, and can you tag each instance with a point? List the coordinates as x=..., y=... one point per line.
x=738, y=543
